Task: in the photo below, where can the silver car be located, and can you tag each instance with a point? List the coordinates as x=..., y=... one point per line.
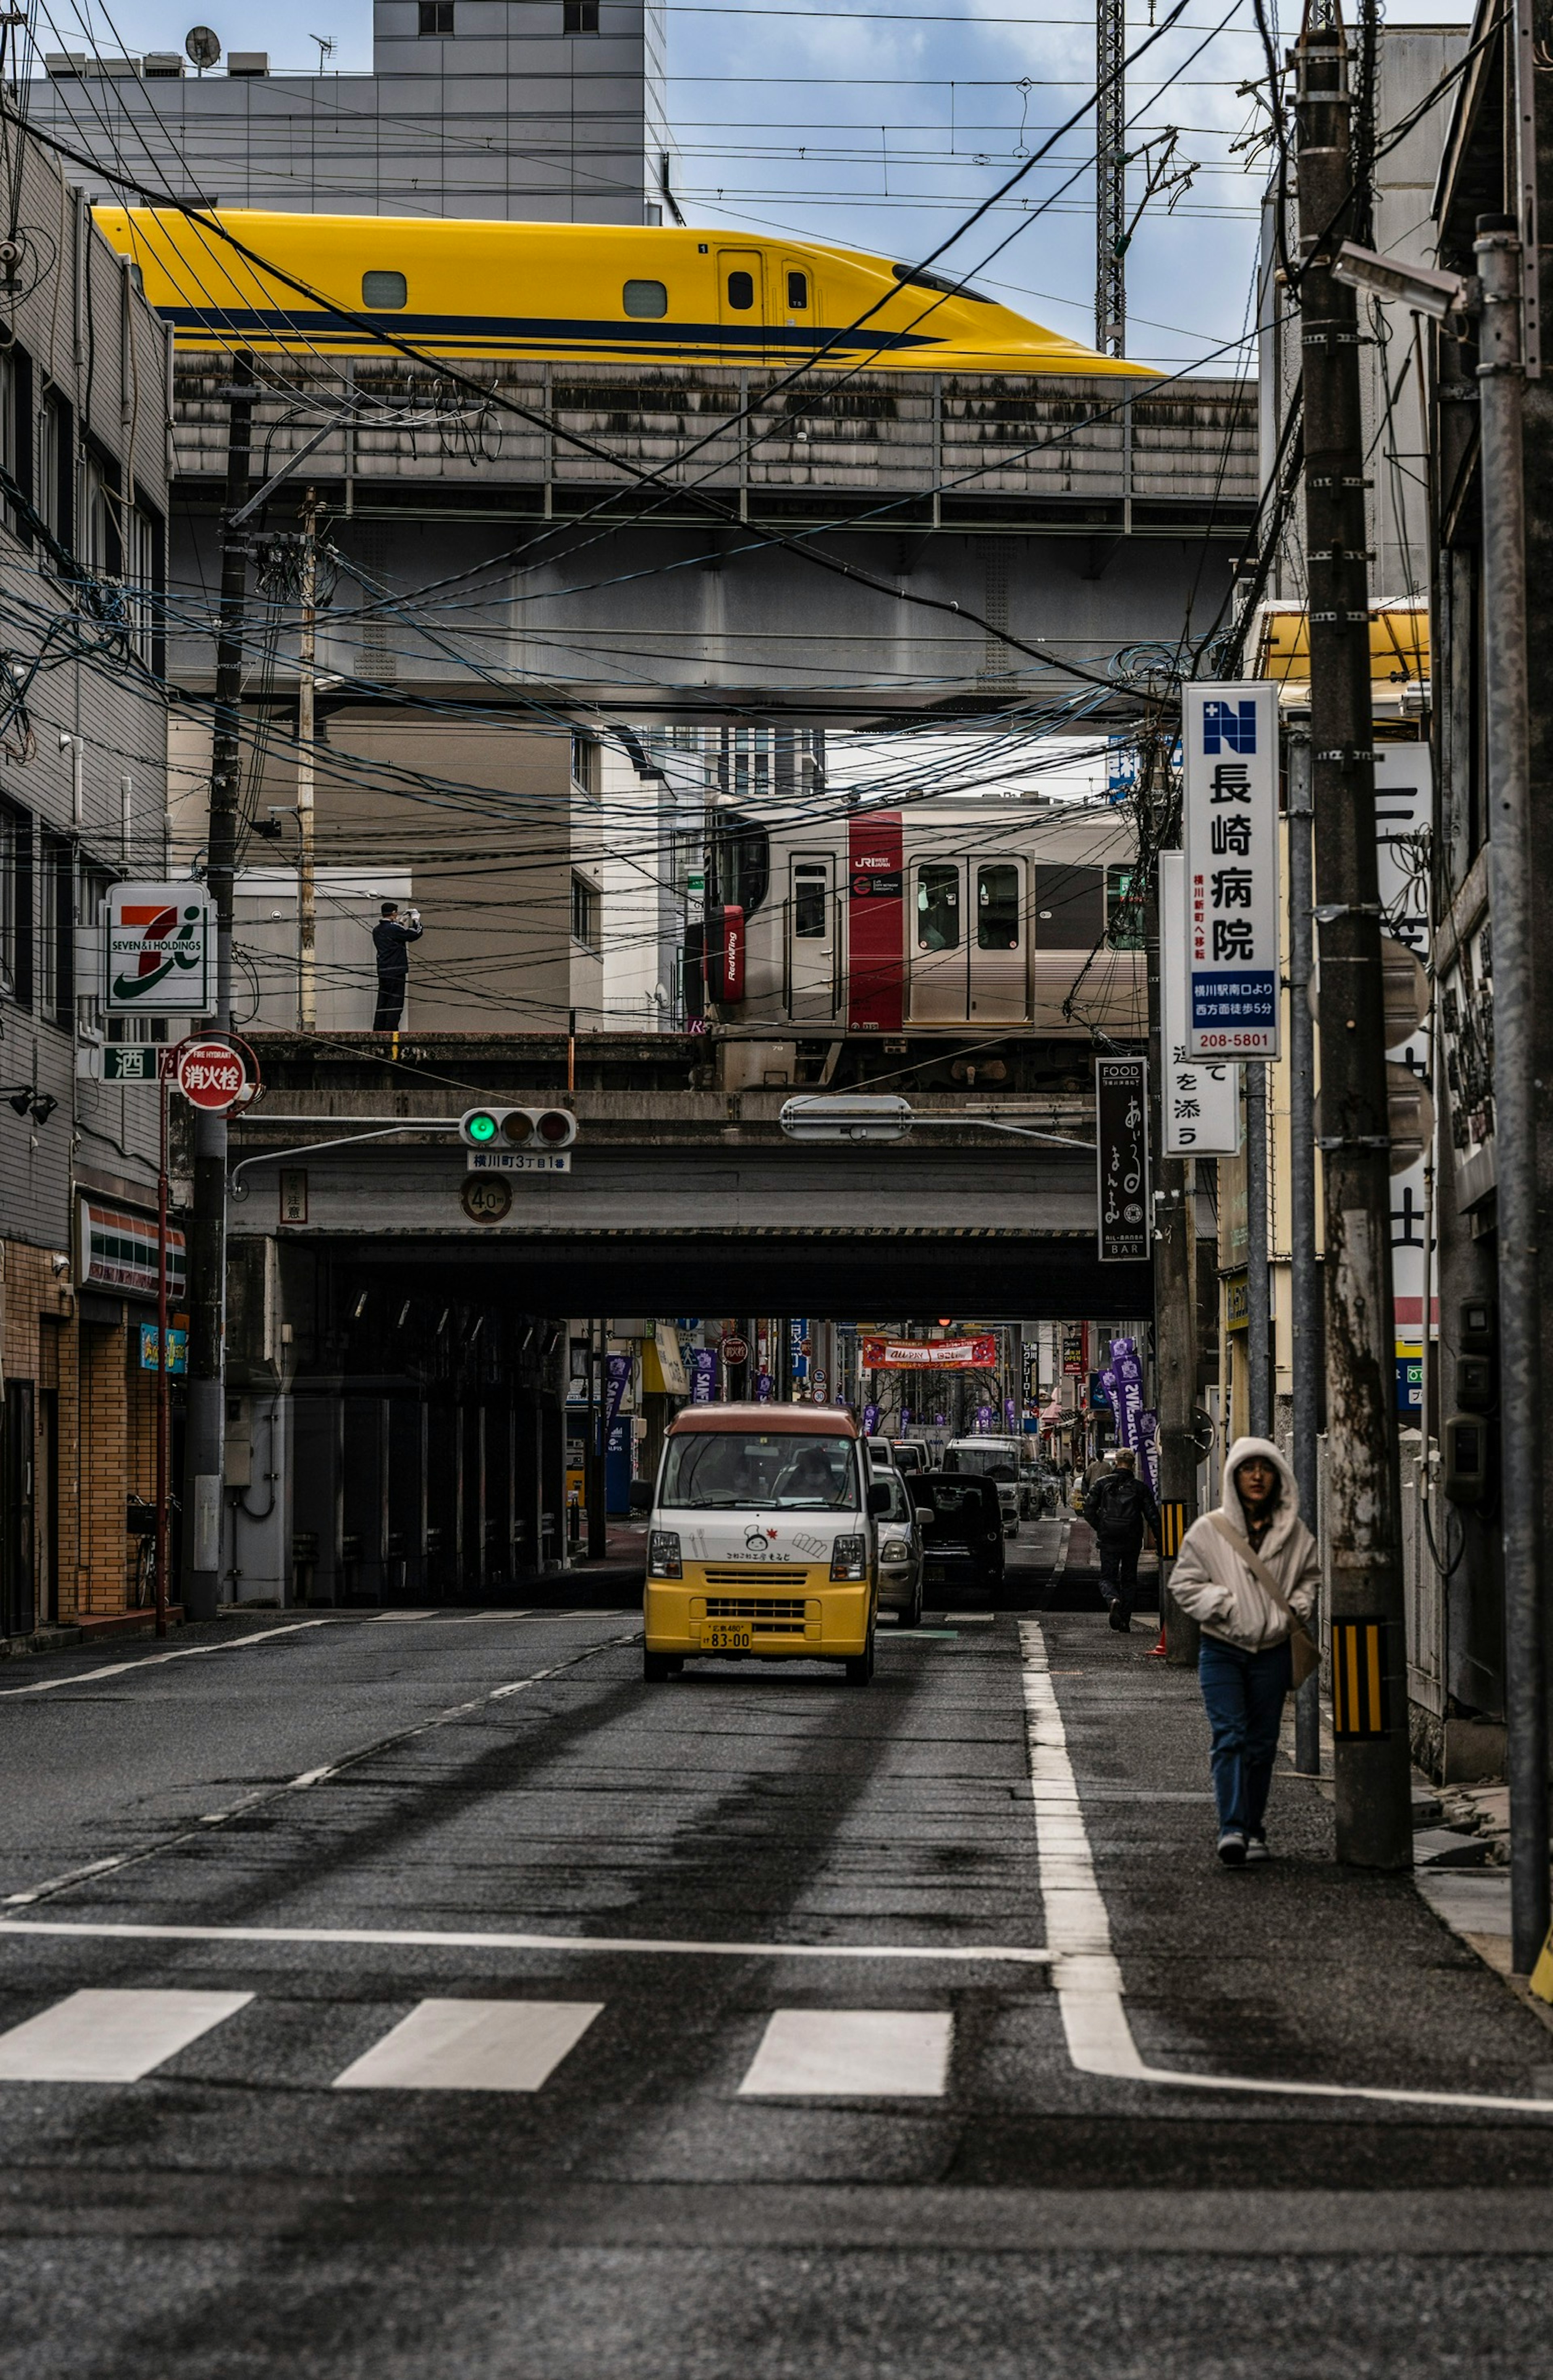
x=900, y=1553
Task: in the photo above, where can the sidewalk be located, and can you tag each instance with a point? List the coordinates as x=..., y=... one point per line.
x=1299, y=1971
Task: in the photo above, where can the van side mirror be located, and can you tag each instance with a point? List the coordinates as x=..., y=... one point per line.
x=880, y=1498
x=641, y=1495
x=926, y=1516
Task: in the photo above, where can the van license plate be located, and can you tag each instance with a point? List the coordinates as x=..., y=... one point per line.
x=719, y=1636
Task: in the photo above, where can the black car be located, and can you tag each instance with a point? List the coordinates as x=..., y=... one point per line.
x=964, y=1541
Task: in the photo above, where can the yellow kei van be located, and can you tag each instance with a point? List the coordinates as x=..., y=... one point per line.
x=763, y=1541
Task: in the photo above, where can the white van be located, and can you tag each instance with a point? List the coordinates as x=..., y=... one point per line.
x=763, y=1542
x=997, y=1459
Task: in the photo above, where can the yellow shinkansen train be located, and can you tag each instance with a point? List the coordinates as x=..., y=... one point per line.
x=573, y=293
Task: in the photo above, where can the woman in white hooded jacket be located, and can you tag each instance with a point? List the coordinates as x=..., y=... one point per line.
x=1243, y=1660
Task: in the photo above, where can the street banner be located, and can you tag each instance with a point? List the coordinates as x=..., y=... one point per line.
x=617, y=1376
x=1121, y=1146
x=1229, y=740
x=1201, y=1103
x=870, y=1421
x=1075, y=1350
x=159, y=951
x=977, y=1355
x=703, y=1375
x=799, y=1347
x=669, y=1361
x=1124, y=1381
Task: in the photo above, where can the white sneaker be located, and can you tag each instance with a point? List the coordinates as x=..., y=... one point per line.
x=1256, y=1852
x=1232, y=1846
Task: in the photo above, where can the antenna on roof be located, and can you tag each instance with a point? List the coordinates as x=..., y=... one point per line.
x=201, y=47
x=325, y=48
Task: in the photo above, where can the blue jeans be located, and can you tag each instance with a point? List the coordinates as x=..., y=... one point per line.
x=1244, y=1695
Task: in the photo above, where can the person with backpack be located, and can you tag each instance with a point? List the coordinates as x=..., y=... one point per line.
x=1248, y=1576
x=1118, y=1508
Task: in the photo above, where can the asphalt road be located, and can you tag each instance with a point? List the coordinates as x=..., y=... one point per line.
x=469, y=2008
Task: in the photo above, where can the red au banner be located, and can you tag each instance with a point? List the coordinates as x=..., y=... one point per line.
x=979, y=1354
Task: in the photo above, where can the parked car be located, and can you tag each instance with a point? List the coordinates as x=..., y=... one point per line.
x=965, y=1543
x=901, y=1541
x=990, y=1458
x=911, y=1456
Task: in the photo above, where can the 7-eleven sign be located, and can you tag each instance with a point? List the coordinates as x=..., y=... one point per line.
x=160, y=951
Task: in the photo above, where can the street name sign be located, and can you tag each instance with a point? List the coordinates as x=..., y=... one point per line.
x=513, y=1161
x=1229, y=744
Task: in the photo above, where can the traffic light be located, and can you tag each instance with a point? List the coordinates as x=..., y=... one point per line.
x=534, y=1128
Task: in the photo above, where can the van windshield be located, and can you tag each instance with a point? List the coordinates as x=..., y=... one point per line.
x=732, y=1470
x=984, y=1461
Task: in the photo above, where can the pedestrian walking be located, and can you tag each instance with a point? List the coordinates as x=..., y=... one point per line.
x=1119, y=1507
x=1248, y=1574
x=392, y=936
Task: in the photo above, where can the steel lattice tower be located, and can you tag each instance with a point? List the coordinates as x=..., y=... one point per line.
x=1110, y=178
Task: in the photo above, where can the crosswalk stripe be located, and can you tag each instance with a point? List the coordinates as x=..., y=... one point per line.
x=853, y=2054
x=472, y=2046
x=110, y=2036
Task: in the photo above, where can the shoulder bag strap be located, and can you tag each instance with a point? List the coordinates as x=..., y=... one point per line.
x=1257, y=1567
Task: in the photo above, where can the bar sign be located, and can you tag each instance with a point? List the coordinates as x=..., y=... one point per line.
x=1121, y=1142
x=1359, y=1698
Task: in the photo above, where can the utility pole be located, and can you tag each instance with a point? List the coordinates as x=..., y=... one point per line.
x=207, y=1315
x=1175, y=1270
x=307, y=895
x=1500, y=380
x=1259, y=1302
x=1110, y=177
x=1304, y=1273
x=1363, y=1521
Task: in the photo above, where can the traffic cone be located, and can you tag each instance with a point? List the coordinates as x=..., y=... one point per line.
x=1157, y=1652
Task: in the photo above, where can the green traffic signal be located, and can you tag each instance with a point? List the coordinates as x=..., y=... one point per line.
x=481, y=1127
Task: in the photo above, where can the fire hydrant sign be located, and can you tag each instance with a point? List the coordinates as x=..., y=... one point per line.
x=160, y=951
x=1230, y=738
x=211, y=1075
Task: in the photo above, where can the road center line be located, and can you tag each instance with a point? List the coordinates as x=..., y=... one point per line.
x=616, y=1946
x=309, y=1777
x=1083, y=1967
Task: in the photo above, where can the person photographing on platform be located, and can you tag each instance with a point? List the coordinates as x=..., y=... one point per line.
x=392, y=936
x=1248, y=1576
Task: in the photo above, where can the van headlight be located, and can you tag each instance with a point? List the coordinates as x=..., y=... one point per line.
x=849, y=1558
x=895, y=1550
x=662, y=1554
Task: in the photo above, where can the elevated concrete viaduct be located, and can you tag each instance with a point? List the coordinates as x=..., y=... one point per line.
x=838, y=552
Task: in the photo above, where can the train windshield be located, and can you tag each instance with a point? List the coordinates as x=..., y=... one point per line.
x=731, y=1471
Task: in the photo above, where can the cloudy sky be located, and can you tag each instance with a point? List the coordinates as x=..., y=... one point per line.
x=882, y=127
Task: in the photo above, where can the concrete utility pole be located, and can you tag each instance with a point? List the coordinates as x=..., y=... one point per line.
x=1522, y=1454
x=307, y=895
x=1175, y=1287
x=1364, y=1513
x=1259, y=1302
x=1305, y=1272
x=207, y=1285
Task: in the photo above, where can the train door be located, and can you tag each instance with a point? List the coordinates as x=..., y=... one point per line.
x=740, y=288
x=997, y=930
x=940, y=991
x=1070, y=919
x=811, y=937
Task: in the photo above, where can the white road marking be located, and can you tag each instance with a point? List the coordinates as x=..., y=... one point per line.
x=383, y=1938
x=182, y=1653
x=1084, y=1968
x=473, y=2045
x=308, y=1776
x=110, y=2036
x=852, y=2054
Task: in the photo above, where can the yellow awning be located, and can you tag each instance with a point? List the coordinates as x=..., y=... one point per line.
x=1399, y=644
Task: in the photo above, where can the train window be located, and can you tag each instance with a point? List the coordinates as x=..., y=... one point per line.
x=741, y=857
x=808, y=903
x=741, y=291
x=388, y=290
x=1070, y=907
x=797, y=290
x=997, y=907
x=938, y=905
x=647, y=300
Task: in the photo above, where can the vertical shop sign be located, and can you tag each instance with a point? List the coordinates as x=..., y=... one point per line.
x=1201, y=1104
x=1121, y=1138
x=1229, y=737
